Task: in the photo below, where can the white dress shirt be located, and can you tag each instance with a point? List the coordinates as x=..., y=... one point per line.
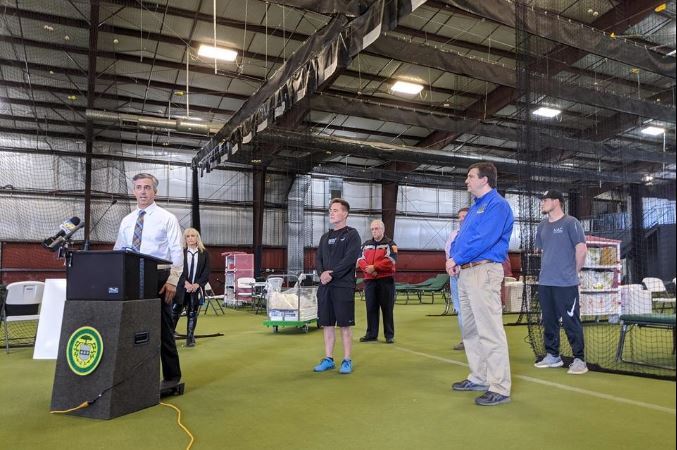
x=192, y=256
x=161, y=237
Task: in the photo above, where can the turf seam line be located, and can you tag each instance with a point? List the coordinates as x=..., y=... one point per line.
x=564, y=387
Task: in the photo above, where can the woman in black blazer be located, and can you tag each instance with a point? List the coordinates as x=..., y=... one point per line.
x=190, y=288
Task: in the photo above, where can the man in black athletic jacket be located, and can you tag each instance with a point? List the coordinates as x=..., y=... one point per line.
x=335, y=263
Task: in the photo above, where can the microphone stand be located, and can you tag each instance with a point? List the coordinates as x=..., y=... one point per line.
x=64, y=249
x=85, y=246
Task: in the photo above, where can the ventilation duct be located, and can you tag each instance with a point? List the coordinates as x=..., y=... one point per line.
x=296, y=223
x=151, y=122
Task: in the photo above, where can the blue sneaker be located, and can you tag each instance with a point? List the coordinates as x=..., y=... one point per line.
x=346, y=367
x=491, y=399
x=549, y=361
x=325, y=364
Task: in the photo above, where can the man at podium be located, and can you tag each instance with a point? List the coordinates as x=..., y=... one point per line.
x=154, y=231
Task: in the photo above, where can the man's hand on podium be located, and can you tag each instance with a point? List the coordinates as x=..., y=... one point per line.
x=169, y=290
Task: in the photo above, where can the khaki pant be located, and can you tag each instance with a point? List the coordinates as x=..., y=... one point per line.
x=486, y=346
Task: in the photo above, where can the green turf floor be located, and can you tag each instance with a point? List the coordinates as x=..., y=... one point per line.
x=252, y=389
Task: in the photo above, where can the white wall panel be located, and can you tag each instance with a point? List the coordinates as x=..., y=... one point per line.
x=275, y=227
x=419, y=200
x=359, y=195
x=422, y=234
x=224, y=226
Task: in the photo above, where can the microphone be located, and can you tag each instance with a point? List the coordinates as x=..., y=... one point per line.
x=69, y=227
x=86, y=245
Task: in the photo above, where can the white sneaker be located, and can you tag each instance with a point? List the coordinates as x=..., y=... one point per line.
x=549, y=362
x=578, y=367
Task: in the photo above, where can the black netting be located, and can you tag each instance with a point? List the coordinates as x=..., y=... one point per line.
x=627, y=298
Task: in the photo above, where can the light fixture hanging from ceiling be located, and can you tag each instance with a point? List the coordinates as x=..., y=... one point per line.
x=405, y=87
x=652, y=131
x=224, y=54
x=544, y=111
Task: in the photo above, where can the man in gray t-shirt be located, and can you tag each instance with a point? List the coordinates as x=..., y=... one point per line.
x=562, y=240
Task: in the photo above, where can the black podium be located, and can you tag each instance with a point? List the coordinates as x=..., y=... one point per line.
x=112, y=275
x=110, y=335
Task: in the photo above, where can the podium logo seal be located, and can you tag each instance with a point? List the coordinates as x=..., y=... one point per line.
x=84, y=350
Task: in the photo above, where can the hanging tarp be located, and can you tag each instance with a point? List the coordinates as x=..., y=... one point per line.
x=574, y=34
x=331, y=49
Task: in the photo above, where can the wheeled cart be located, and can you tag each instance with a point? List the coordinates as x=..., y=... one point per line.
x=291, y=301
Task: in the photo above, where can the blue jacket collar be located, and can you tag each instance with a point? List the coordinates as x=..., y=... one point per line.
x=489, y=195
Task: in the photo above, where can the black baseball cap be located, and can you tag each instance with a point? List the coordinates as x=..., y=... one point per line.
x=554, y=195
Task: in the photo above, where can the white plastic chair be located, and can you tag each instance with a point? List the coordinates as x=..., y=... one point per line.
x=244, y=289
x=654, y=284
x=22, y=304
x=661, y=303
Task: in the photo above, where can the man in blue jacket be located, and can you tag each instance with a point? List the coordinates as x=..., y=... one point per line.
x=476, y=256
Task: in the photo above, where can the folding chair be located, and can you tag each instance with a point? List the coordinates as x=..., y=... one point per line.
x=211, y=299
x=244, y=290
x=21, y=305
x=661, y=298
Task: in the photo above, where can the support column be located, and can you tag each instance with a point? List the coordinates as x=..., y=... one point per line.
x=195, y=202
x=389, y=191
x=259, y=191
x=91, y=97
x=574, y=204
x=637, y=253
x=389, y=206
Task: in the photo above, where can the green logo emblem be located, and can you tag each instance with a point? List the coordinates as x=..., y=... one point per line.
x=84, y=350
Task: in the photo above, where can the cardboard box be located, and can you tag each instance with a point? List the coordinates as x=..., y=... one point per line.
x=635, y=299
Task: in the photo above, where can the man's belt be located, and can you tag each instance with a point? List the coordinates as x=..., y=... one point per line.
x=476, y=263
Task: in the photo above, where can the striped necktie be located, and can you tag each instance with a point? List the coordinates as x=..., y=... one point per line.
x=138, y=232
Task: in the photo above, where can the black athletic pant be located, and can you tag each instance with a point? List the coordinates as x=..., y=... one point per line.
x=171, y=369
x=380, y=294
x=561, y=302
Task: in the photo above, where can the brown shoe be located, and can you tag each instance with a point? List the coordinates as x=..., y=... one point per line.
x=459, y=346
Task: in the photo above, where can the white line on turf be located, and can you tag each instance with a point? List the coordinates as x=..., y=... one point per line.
x=564, y=387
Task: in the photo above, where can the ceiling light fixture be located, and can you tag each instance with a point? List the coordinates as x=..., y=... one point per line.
x=544, y=111
x=653, y=131
x=224, y=54
x=404, y=87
